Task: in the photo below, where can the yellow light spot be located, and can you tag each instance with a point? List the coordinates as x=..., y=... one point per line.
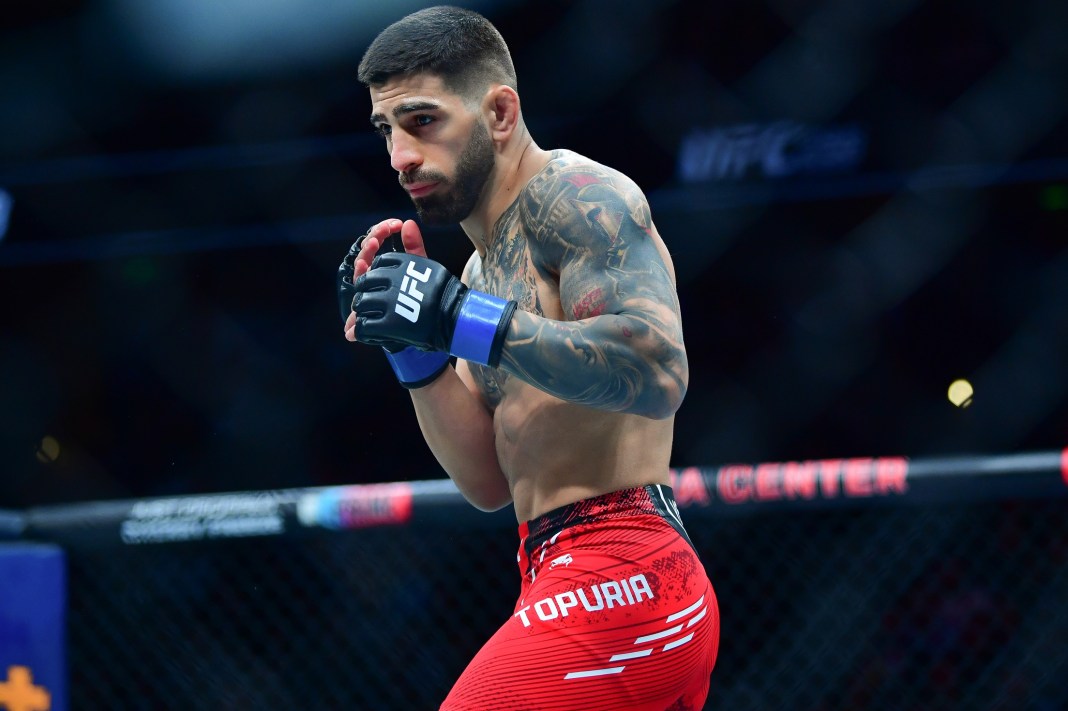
x=960, y=393
x=48, y=450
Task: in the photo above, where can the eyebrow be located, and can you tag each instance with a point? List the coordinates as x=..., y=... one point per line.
x=406, y=108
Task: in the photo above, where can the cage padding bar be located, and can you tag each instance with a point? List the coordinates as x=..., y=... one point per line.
x=731, y=489
x=12, y=524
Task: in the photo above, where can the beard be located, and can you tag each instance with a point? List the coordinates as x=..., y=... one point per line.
x=454, y=199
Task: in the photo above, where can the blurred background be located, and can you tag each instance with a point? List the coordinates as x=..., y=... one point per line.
x=865, y=202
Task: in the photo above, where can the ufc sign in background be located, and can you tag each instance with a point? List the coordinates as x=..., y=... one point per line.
x=33, y=675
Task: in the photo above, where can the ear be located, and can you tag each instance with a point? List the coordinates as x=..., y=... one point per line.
x=501, y=107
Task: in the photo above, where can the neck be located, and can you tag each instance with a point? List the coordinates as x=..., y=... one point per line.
x=517, y=163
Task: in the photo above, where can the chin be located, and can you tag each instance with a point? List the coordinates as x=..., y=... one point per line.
x=440, y=214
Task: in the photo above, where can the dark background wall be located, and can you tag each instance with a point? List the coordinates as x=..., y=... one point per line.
x=865, y=201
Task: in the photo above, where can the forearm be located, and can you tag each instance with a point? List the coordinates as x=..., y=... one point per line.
x=459, y=432
x=621, y=363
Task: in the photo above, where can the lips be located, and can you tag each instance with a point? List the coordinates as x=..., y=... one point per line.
x=417, y=190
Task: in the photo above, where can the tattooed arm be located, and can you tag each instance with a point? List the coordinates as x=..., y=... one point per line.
x=622, y=348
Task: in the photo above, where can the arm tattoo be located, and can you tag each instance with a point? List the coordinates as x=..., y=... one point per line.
x=589, y=228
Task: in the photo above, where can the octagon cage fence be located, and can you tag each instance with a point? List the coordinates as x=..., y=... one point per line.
x=872, y=583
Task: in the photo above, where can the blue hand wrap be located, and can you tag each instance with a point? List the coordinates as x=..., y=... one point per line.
x=416, y=368
x=480, y=328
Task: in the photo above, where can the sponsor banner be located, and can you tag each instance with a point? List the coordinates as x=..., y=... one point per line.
x=770, y=150
x=33, y=674
x=822, y=480
x=205, y=517
x=871, y=481
x=357, y=506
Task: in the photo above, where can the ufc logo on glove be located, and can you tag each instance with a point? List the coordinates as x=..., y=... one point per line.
x=422, y=314
x=410, y=297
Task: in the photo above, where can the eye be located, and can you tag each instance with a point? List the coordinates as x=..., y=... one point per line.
x=423, y=120
x=383, y=130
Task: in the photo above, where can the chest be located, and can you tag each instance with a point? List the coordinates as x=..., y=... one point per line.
x=513, y=269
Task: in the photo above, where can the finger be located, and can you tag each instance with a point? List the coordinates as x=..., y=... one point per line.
x=376, y=237
x=385, y=228
x=368, y=250
x=363, y=263
x=389, y=227
x=412, y=238
x=350, y=327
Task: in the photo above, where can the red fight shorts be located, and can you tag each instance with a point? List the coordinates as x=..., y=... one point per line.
x=615, y=612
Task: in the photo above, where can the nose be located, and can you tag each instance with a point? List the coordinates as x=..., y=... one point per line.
x=404, y=155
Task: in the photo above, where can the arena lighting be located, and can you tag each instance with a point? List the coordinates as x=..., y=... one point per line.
x=48, y=450
x=206, y=40
x=960, y=393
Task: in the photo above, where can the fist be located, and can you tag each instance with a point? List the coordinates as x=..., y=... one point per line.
x=363, y=253
x=408, y=299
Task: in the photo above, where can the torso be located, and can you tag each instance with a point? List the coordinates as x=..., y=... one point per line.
x=554, y=452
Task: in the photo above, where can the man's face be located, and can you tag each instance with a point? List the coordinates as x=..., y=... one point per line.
x=440, y=148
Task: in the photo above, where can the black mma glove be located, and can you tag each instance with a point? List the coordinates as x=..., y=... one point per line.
x=345, y=290
x=414, y=368
x=414, y=300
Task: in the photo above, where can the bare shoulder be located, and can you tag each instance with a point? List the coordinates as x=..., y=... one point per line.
x=568, y=171
x=572, y=194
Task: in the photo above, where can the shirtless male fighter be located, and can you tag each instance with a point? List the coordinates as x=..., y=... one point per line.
x=546, y=376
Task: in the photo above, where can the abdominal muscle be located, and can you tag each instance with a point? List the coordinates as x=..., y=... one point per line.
x=555, y=453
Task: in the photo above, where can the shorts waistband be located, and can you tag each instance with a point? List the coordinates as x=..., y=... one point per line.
x=655, y=499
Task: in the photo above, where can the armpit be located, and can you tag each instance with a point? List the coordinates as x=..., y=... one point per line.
x=472, y=273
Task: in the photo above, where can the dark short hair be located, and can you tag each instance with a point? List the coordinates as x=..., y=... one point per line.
x=460, y=46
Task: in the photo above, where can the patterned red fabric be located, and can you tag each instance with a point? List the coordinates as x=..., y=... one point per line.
x=616, y=612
